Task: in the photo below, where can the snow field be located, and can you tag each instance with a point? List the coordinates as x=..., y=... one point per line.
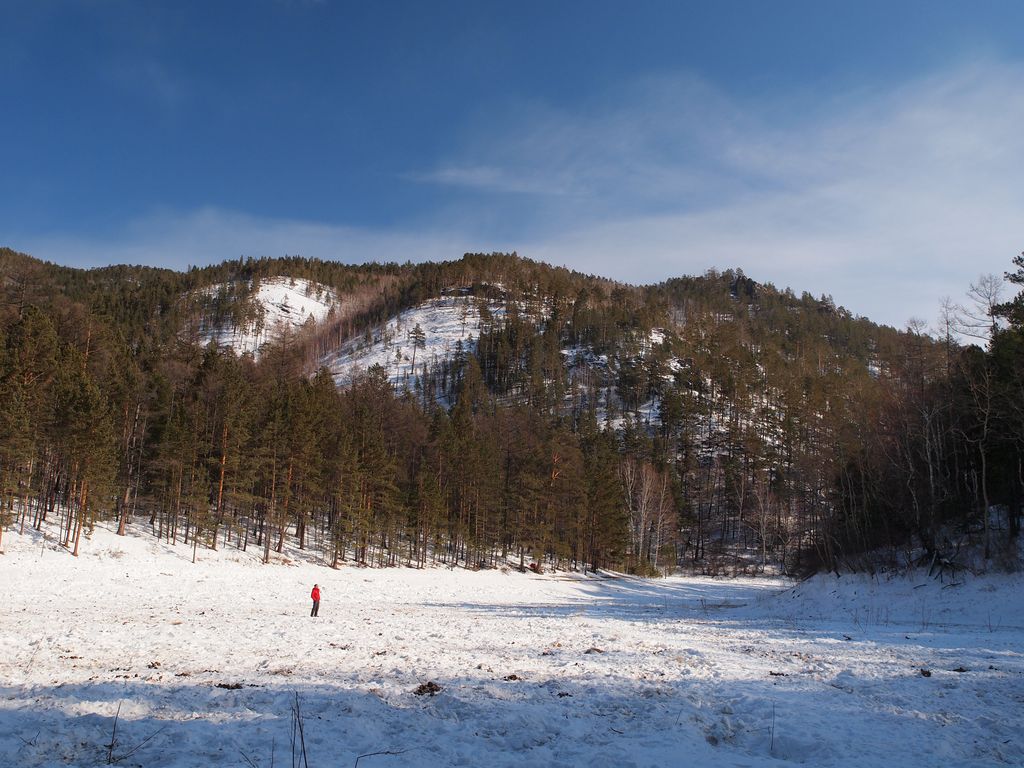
x=205, y=662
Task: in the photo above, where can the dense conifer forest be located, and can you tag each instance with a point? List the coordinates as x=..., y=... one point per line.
x=784, y=431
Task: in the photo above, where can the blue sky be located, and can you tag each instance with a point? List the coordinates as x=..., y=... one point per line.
x=870, y=150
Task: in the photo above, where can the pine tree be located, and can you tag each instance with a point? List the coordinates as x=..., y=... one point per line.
x=86, y=439
x=419, y=341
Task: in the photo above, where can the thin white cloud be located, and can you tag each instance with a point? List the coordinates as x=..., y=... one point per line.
x=887, y=200
x=492, y=179
x=657, y=139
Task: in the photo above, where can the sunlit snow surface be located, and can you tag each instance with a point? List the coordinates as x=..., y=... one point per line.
x=288, y=303
x=533, y=669
x=446, y=323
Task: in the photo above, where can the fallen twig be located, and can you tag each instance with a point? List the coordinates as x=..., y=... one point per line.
x=297, y=723
x=113, y=737
x=382, y=752
x=30, y=742
x=137, y=747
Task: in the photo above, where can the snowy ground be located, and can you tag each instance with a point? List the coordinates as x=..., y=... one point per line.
x=205, y=662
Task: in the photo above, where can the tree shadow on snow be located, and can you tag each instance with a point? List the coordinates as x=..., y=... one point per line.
x=635, y=599
x=483, y=717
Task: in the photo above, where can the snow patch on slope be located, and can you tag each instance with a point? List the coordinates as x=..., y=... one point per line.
x=278, y=304
x=446, y=322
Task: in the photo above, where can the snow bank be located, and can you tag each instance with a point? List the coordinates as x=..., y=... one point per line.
x=207, y=661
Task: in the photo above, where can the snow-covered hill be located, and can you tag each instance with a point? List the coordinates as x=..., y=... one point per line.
x=276, y=305
x=133, y=655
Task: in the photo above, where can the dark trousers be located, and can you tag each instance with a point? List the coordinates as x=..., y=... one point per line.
x=316, y=608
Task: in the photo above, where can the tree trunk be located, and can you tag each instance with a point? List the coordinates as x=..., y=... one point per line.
x=81, y=515
x=985, y=502
x=220, y=482
x=122, y=523
x=284, y=512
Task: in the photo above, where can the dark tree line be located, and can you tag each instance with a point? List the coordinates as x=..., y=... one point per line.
x=711, y=423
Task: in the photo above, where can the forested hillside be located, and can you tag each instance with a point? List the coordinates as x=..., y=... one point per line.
x=711, y=423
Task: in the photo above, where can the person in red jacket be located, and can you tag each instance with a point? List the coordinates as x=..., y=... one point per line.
x=315, y=594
